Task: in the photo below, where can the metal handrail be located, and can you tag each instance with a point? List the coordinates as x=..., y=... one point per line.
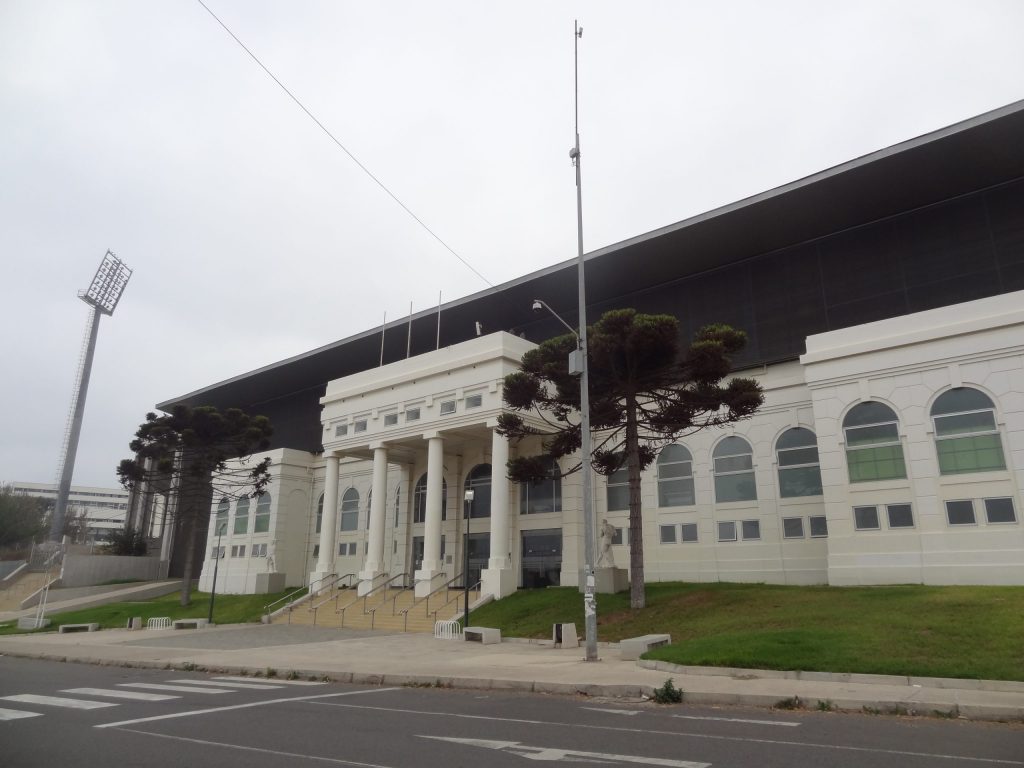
x=384, y=585
x=475, y=587
x=425, y=600
x=335, y=594
x=312, y=590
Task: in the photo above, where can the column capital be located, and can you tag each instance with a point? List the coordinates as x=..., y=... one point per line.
x=431, y=435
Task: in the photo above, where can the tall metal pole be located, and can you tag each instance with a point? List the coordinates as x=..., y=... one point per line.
x=589, y=544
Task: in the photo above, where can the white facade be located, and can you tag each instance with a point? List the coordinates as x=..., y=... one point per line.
x=105, y=508
x=741, y=509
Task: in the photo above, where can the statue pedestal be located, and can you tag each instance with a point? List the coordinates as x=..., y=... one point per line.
x=607, y=581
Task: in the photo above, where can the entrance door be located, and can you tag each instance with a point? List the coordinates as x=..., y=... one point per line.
x=479, y=554
x=542, y=558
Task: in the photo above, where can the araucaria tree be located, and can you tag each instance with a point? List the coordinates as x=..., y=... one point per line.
x=199, y=453
x=645, y=391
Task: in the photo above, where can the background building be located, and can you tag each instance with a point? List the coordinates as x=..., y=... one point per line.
x=104, y=509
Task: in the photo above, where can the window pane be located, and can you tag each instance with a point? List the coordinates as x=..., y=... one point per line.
x=668, y=534
x=819, y=526
x=242, y=516
x=676, y=493
x=865, y=518
x=751, y=530
x=262, y=521
x=740, y=487
x=880, y=433
x=805, y=481
x=797, y=437
x=732, y=446
x=689, y=531
x=679, y=469
x=900, y=516
x=965, y=423
x=734, y=464
x=673, y=453
x=960, y=512
x=618, y=497
x=796, y=456
x=617, y=537
x=727, y=531
x=981, y=453
x=885, y=463
x=793, y=527
x=961, y=399
x=870, y=412
x=1000, y=511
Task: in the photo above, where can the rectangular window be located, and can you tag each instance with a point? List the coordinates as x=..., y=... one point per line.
x=881, y=463
x=727, y=531
x=447, y=407
x=360, y=426
x=316, y=550
x=751, y=530
x=343, y=549
x=238, y=550
x=390, y=419
x=900, y=515
x=1000, y=511
x=978, y=453
x=689, y=531
x=341, y=429
x=474, y=401
x=799, y=481
x=865, y=518
x=819, y=526
x=668, y=534
x=618, y=538
x=793, y=527
x=960, y=512
x=618, y=490
x=352, y=548
x=412, y=414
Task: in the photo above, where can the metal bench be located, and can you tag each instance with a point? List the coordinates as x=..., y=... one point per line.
x=632, y=648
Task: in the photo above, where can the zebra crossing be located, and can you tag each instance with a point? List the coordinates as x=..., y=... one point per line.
x=168, y=690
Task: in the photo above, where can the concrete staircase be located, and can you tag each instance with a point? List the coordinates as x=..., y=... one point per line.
x=394, y=610
x=21, y=586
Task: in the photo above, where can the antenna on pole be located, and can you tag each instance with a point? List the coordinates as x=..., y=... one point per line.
x=102, y=295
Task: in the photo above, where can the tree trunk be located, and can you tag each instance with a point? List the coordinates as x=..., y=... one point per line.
x=637, y=596
x=188, y=521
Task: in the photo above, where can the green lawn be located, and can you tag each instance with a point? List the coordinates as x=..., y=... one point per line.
x=969, y=632
x=228, y=609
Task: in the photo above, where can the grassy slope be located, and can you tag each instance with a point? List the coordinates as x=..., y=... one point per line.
x=228, y=609
x=972, y=632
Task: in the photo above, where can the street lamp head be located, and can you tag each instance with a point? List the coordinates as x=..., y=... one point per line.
x=538, y=305
x=469, y=494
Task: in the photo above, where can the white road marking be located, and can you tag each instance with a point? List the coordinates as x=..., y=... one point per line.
x=16, y=714
x=550, y=754
x=615, y=711
x=246, y=748
x=239, y=679
x=242, y=706
x=226, y=684
x=686, y=734
x=58, y=701
x=176, y=688
x=115, y=694
x=739, y=720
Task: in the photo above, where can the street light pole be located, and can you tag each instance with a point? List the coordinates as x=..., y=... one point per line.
x=216, y=566
x=589, y=545
x=470, y=493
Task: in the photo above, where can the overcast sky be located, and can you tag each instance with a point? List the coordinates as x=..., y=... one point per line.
x=142, y=127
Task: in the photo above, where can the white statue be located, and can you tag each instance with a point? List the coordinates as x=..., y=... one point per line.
x=605, y=558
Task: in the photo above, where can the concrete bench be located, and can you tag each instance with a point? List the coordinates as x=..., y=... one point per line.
x=564, y=636
x=64, y=628
x=632, y=648
x=484, y=635
x=189, y=623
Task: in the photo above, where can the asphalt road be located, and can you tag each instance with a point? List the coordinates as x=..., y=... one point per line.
x=54, y=714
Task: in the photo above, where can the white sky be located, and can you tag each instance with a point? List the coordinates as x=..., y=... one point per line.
x=143, y=128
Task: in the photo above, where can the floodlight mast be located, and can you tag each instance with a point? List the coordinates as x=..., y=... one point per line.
x=589, y=544
x=102, y=295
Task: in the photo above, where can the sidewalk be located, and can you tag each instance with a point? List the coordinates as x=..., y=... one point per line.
x=415, y=659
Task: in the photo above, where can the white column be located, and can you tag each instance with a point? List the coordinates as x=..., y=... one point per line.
x=373, y=567
x=432, y=566
x=499, y=577
x=328, y=522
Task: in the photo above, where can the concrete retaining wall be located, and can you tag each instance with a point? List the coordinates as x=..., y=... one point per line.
x=7, y=567
x=87, y=570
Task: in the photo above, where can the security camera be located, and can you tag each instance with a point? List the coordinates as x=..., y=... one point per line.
x=537, y=306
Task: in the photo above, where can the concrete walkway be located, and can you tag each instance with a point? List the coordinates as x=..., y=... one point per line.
x=76, y=598
x=415, y=659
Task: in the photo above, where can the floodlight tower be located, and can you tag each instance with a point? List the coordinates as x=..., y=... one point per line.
x=102, y=295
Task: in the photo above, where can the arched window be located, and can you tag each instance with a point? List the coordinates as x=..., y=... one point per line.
x=242, y=515
x=479, y=481
x=799, y=473
x=419, y=500
x=873, y=449
x=544, y=496
x=221, y=524
x=617, y=490
x=319, y=513
x=350, y=510
x=966, y=436
x=262, y=517
x=675, y=477
x=734, y=471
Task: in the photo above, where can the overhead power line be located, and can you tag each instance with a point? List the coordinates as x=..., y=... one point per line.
x=341, y=146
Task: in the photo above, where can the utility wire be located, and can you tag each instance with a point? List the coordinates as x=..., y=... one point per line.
x=343, y=148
